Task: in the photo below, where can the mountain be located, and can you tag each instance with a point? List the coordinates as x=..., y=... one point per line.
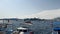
x=47, y=14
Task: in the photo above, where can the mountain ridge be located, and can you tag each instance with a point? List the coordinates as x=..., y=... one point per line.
x=48, y=14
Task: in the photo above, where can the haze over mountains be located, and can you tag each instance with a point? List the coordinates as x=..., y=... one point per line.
x=47, y=14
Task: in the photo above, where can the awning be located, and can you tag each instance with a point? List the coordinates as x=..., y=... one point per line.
x=56, y=29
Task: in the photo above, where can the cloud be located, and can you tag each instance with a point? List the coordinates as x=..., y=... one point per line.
x=47, y=14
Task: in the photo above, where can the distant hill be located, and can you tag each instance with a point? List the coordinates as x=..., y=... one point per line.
x=48, y=14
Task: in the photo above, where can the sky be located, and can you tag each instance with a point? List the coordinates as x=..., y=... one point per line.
x=21, y=8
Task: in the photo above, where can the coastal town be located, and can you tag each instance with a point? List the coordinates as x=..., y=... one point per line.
x=32, y=25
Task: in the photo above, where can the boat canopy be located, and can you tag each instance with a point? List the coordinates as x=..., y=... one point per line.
x=21, y=28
